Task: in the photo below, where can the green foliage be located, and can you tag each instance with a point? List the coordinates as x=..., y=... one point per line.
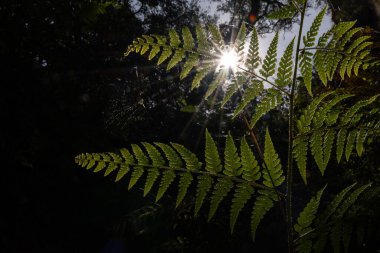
x=272, y=99
x=269, y=64
x=240, y=173
x=328, y=124
x=287, y=11
x=285, y=69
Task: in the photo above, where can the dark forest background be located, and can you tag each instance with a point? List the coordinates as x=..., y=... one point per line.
x=66, y=89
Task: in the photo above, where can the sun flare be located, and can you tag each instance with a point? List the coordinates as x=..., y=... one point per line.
x=229, y=60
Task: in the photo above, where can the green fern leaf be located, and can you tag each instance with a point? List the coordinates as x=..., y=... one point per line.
x=234, y=86
x=269, y=102
x=175, y=41
x=216, y=37
x=243, y=193
x=213, y=163
x=285, y=69
x=350, y=144
x=153, y=173
x=269, y=64
x=300, y=147
x=199, y=76
x=177, y=57
x=250, y=167
x=231, y=158
x=262, y=205
x=191, y=160
x=250, y=93
x=123, y=170
x=135, y=176
x=184, y=183
x=273, y=172
x=333, y=205
x=316, y=147
x=306, y=66
x=307, y=116
x=219, y=78
x=139, y=154
x=191, y=62
x=253, y=57
x=341, y=138
x=188, y=41
x=328, y=142
x=349, y=201
x=285, y=12
x=309, y=39
x=168, y=177
x=307, y=216
x=203, y=46
x=203, y=187
x=352, y=111
x=221, y=189
x=360, y=139
x=166, y=53
x=172, y=156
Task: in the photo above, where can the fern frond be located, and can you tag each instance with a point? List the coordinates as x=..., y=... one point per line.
x=360, y=139
x=316, y=147
x=272, y=99
x=340, y=143
x=263, y=203
x=216, y=37
x=184, y=184
x=250, y=167
x=188, y=41
x=273, y=175
x=171, y=155
x=220, y=191
x=250, y=93
x=328, y=142
x=285, y=69
x=352, y=111
x=269, y=64
x=168, y=177
x=307, y=116
x=191, y=62
x=285, y=12
x=253, y=58
x=175, y=41
x=350, y=144
x=153, y=173
x=203, y=187
x=311, y=35
x=191, y=160
x=203, y=45
x=306, y=67
x=243, y=193
x=300, y=147
x=213, y=163
x=199, y=76
x=307, y=216
x=231, y=158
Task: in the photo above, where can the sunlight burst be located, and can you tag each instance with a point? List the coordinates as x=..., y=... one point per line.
x=229, y=60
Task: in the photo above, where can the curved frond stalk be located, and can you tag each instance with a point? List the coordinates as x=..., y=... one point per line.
x=285, y=69
x=250, y=167
x=243, y=193
x=269, y=64
x=273, y=176
x=231, y=158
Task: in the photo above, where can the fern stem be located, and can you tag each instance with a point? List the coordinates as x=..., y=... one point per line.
x=289, y=195
x=265, y=80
